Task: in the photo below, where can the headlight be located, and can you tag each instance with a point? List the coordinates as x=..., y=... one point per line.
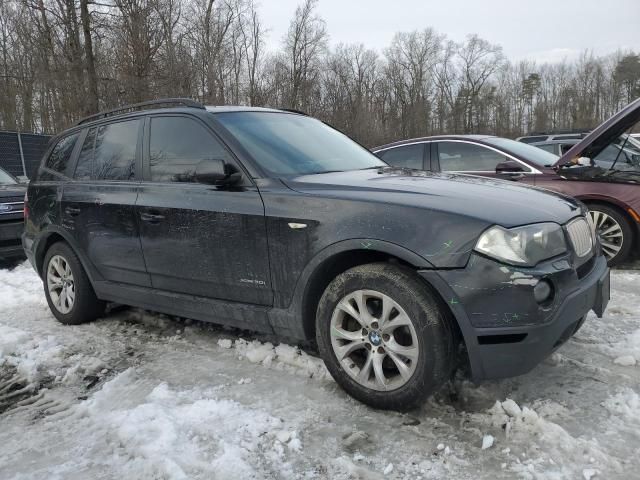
x=523, y=245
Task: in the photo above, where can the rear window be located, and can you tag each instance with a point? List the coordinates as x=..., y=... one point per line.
x=61, y=153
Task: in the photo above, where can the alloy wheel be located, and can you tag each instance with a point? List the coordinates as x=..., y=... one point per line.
x=374, y=340
x=60, y=284
x=609, y=232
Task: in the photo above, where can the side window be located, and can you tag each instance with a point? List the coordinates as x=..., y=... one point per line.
x=84, y=168
x=467, y=157
x=409, y=156
x=565, y=147
x=115, y=151
x=61, y=153
x=551, y=147
x=177, y=145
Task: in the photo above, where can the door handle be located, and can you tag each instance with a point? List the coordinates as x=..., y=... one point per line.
x=73, y=211
x=151, y=217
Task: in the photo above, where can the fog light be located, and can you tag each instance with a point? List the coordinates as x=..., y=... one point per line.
x=543, y=291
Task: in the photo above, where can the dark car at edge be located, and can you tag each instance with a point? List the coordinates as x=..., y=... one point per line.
x=273, y=221
x=11, y=215
x=609, y=185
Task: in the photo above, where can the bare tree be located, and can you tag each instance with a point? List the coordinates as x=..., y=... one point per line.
x=305, y=44
x=61, y=59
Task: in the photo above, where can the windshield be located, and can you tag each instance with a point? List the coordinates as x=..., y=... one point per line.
x=6, y=179
x=622, y=154
x=527, y=152
x=289, y=144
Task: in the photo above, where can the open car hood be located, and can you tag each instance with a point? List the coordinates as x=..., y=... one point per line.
x=594, y=143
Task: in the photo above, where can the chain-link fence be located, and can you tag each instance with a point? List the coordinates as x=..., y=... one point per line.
x=20, y=153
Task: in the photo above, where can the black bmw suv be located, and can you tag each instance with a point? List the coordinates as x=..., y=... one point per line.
x=273, y=221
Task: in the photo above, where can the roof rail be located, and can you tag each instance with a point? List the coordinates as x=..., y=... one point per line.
x=176, y=102
x=561, y=131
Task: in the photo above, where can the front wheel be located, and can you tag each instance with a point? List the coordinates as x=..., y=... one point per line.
x=614, y=232
x=384, y=336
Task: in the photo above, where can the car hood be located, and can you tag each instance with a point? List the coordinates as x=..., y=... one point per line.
x=494, y=201
x=591, y=145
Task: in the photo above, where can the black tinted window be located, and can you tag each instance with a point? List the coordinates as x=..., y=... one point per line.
x=408, y=156
x=115, y=151
x=84, y=167
x=177, y=145
x=461, y=156
x=61, y=153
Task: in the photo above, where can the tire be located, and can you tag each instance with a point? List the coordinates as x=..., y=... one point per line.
x=429, y=328
x=616, y=248
x=84, y=306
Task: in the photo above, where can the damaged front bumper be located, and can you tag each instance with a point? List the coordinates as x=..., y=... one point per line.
x=507, y=332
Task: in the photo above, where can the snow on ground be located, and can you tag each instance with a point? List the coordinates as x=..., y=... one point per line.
x=141, y=395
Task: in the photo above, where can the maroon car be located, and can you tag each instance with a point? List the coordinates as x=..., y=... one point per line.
x=611, y=189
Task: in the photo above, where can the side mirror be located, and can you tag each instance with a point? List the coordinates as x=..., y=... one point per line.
x=509, y=167
x=23, y=179
x=215, y=172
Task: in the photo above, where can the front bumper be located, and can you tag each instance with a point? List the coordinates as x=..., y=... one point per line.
x=506, y=332
x=10, y=232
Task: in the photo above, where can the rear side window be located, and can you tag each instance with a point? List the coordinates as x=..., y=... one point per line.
x=177, y=145
x=61, y=153
x=114, y=156
x=84, y=168
x=408, y=156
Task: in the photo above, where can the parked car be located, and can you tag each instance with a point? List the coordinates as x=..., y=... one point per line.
x=550, y=136
x=11, y=215
x=611, y=192
x=273, y=221
x=625, y=158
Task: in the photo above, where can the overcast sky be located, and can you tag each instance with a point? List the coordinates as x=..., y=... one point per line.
x=544, y=30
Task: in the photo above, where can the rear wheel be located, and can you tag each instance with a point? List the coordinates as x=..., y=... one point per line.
x=614, y=232
x=384, y=336
x=69, y=293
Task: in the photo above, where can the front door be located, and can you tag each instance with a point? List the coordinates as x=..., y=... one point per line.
x=98, y=206
x=461, y=156
x=198, y=239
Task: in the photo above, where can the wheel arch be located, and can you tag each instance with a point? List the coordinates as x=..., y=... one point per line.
x=54, y=235
x=618, y=206
x=338, y=258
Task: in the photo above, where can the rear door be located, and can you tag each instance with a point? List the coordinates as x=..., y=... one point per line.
x=405, y=156
x=98, y=206
x=198, y=239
